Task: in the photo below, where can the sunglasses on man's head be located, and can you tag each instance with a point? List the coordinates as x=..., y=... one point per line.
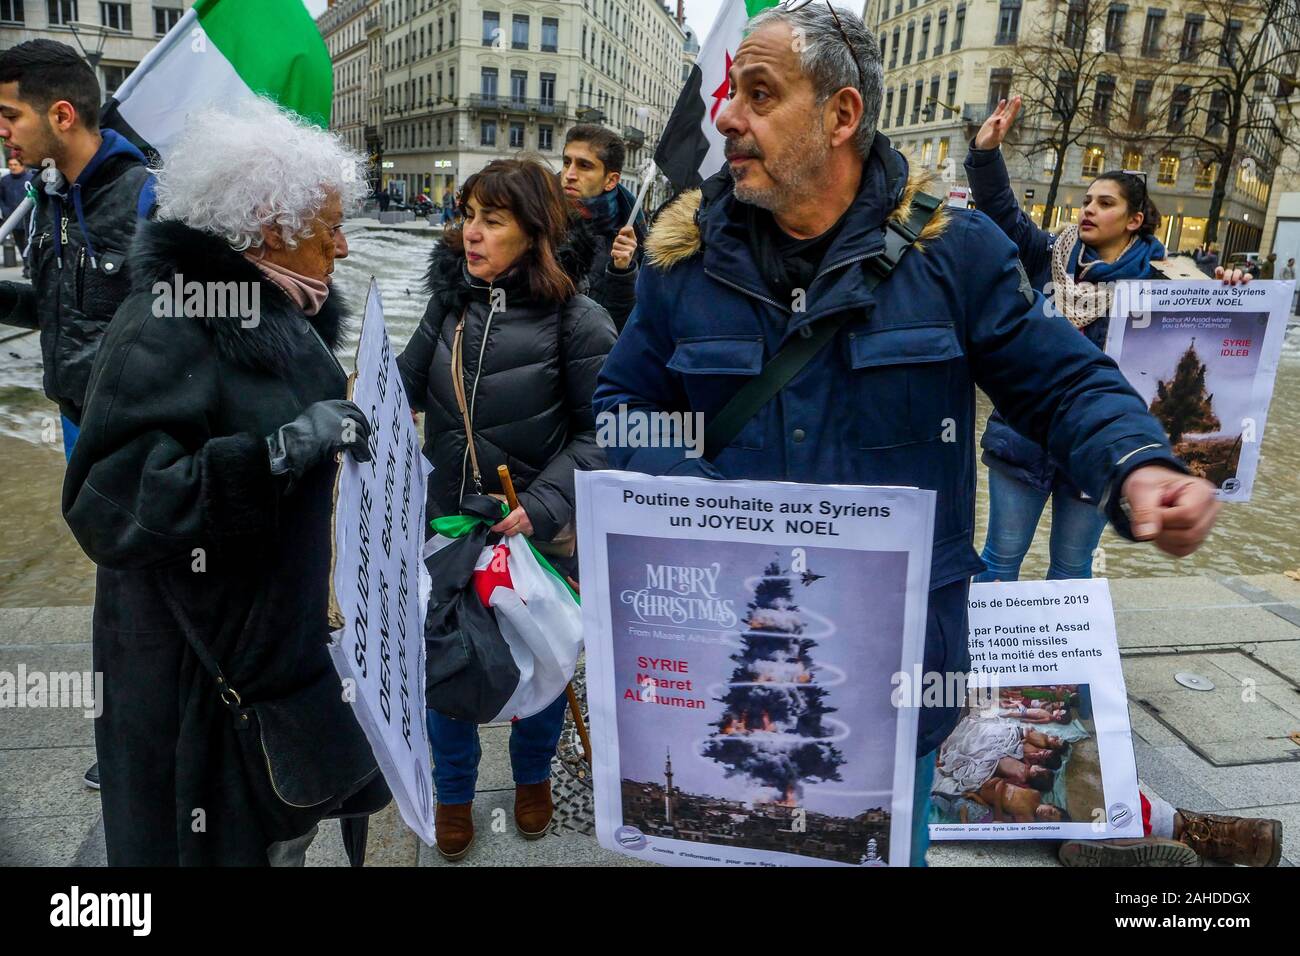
x=793, y=5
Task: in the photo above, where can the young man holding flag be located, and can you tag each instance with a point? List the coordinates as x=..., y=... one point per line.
x=593, y=166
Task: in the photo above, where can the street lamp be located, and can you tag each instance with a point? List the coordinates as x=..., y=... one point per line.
x=96, y=34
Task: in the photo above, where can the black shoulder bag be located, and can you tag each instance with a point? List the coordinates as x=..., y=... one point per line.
x=796, y=353
x=305, y=756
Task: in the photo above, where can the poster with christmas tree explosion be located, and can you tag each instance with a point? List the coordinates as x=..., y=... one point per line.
x=1203, y=356
x=741, y=643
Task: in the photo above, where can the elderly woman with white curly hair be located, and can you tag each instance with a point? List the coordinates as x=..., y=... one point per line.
x=201, y=486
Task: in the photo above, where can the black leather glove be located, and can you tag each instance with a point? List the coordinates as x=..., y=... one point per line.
x=320, y=432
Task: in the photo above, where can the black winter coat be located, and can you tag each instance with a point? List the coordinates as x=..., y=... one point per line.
x=529, y=373
x=612, y=287
x=170, y=492
x=72, y=303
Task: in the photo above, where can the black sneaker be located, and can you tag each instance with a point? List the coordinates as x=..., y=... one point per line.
x=91, y=777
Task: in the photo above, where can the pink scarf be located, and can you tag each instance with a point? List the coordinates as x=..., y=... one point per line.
x=308, y=294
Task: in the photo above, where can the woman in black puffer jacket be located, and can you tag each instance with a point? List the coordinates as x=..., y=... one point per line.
x=508, y=314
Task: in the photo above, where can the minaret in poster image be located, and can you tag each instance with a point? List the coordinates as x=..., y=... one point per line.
x=668, y=788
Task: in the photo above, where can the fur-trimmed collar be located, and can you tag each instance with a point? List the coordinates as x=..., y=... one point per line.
x=163, y=250
x=675, y=236
x=448, y=280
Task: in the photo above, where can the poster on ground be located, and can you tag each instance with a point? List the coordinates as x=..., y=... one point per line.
x=741, y=641
x=1203, y=356
x=377, y=595
x=1043, y=748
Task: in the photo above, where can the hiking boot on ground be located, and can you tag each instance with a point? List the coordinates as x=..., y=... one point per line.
x=1246, y=841
x=533, y=808
x=453, y=829
x=1148, y=851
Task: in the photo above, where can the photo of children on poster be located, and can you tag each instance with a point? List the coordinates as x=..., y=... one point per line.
x=1203, y=357
x=1042, y=750
x=749, y=684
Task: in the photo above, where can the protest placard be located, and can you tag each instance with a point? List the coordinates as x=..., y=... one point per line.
x=377, y=595
x=1203, y=357
x=741, y=637
x=1043, y=750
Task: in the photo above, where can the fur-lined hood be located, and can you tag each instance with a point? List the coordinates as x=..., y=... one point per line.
x=676, y=237
x=163, y=251
x=448, y=281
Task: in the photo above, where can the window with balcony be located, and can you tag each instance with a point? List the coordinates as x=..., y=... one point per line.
x=487, y=85
x=999, y=87
x=519, y=32
x=1140, y=105
x=1103, y=98
x=1231, y=45
x=1076, y=24
x=164, y=18
x=1094, y=161
x=1190, y=46
x=487, y=132
x=1178, y=104
x=550, y=34
x=925, y=40
x=516, y=135
x=932, y=103
x=491, y=27
x=902, y=105
x=11, y=11
x=1216, y=115
x=943, y=29
x=893, y=49
x=546, y=90
x=918, y=95
x=518, y=87
x=1152, y=33
x=1115, y=27
x=907, y=49
x=1008, y=22
x=545, y=138
x=61, y=12
x=1064, y=101
x=948, y=111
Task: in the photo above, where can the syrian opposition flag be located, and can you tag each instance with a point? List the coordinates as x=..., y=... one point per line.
x=690, y=149
x=503, y=630
x=221, y=52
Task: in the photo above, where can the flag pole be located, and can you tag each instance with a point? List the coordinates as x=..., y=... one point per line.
x=11, y=223
x=647, y=177
x=575, y=708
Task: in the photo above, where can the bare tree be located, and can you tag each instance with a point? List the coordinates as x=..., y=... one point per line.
x=1226, y=99
x=1064, y=69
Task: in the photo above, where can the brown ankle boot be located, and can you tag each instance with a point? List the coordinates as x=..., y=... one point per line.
x=1241, y=840
x=533, y=808
x=453, y=828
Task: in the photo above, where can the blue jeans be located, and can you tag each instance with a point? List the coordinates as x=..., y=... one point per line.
x=1014, y=510
x=70, y=433
x=921, y=807
x=456, y=750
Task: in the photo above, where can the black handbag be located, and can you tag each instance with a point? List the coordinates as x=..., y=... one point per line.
x=304, y=755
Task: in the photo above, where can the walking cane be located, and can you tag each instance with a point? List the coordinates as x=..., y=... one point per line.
x=575, y=708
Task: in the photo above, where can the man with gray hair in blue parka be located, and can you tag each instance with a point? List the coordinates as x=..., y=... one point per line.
x=788, y=243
